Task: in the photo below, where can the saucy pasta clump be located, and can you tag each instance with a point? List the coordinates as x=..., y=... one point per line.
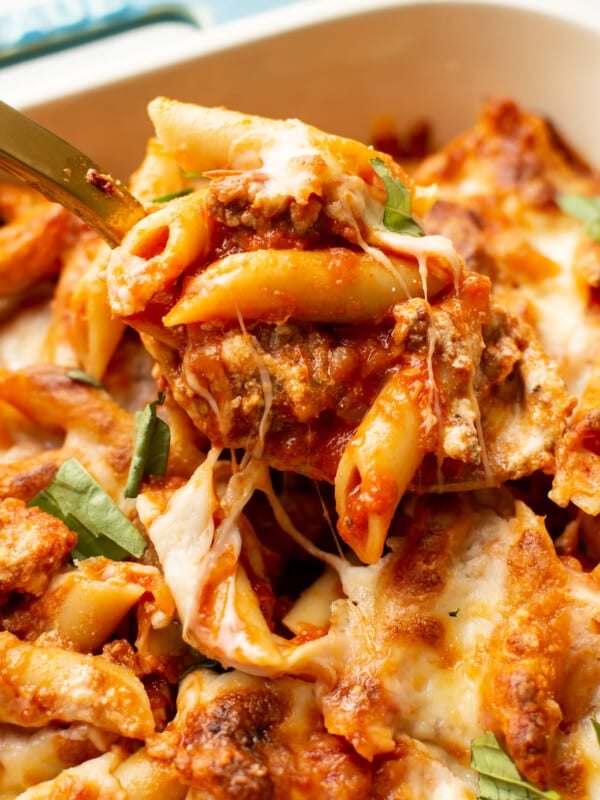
x=298, y=487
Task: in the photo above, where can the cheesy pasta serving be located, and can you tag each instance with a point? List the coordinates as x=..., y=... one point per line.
x=299, y=484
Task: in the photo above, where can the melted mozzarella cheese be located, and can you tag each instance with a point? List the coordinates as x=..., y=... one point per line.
x=443, y=701
x=287, y=161
x=561, y=306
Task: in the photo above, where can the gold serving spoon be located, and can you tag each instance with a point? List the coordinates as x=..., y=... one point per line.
x=65, y=175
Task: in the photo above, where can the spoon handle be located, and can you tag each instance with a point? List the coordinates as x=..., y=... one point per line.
x=65, y=175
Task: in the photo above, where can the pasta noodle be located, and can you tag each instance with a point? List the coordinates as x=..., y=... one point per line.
x=376, y=467
x=74, y=688
x=32, y=238
x=161, y=246
x=297, y=483
x=318, y=286
x=33, y=756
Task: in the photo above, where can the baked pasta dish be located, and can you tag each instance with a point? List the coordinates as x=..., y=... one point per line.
x=300, y=482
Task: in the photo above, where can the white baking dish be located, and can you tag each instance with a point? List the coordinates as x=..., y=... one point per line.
x=335, y=64
x=340, y=66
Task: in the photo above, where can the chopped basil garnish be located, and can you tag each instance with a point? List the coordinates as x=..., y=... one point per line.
x=499, y=779
x=596, y=725
x=83, y=505
x=396, y=215
x=172, y=195
x=205, y=663
x=151, y=447
x=79, y=376
x=454, y=613
x=587, y=209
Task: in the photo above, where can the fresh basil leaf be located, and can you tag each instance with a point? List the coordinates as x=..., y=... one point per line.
x=88, y=545
x=172, y=195
x=587, y=209
x=396, y=215
x=499, y=779
x=596, y=726
x=206, y=663
x=584, y=208
x=150, y=449
x=592, y=229
x=83, y=505
x=79, y=376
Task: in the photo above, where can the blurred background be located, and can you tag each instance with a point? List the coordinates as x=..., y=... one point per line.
x=32, y=27
x=49, y=48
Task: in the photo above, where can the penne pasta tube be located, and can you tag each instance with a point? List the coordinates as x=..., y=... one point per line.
x=206, y=139
x=156, y=251
x=46, y=396
x=88, y=611
x=93, y=779
x=376, y=467
x=33, y=235
x=82, y=329
x=93, y=331
x=39, y=685
x=84, y=606
x=201, y=137
x=335, y=285
x=29, y=756
x=299, y=160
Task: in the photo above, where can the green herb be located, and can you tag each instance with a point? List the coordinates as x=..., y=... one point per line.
x=596, y=725
x=83, y=505
x=587, y=209
x=454, y=613
x=206, y=663
x=592, y=229
x=172, y=195
x=499, y=779
x=396, y=216
x=193, y=174
x=151, y=447
x=79, y=376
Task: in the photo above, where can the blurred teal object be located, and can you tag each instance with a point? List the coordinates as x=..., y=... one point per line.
x=31, y=29
x=226, y=10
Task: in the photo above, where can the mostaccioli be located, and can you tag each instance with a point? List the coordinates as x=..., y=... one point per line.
x=298, y=311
